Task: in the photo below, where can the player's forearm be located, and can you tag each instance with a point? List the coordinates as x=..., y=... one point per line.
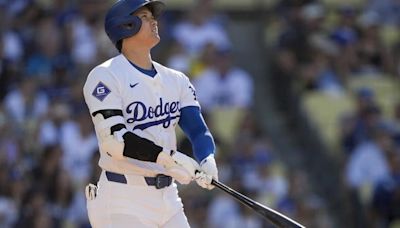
x=203, y=145
x=140, y=148
x=195, y=128
x=118, y=142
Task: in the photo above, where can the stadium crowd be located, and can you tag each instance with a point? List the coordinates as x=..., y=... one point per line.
x=48, y=149
x=324, y=50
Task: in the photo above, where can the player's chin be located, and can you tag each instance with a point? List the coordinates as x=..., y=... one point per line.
x=155, y=39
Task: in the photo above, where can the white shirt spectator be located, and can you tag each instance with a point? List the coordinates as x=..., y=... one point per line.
x=8, y=212
x=222, y=207
x=367, y=165
x=56, y=125
x=274, y=186
x=234, y=90
x=50, y=134
x=78, y=151
x=84, y=48
x=12, y=46
x=21, y=110
x=194, y=37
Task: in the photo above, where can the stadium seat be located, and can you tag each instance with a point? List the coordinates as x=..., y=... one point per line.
x=324, y=111
x=225, y=123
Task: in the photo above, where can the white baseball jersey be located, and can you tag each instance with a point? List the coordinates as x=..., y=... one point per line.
x=150, y=105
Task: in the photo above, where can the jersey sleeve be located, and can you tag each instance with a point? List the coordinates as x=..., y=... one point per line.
x=188, y=94
x=195, y=128
x=101, y=91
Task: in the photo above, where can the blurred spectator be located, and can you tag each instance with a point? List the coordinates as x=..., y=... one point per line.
x=178, y=58
x=33, y=210
x=224, y=85
x=47, y=53
x=303, y=22
x=344, y=35
x=9, y=147
x=199, y=28
x=245, y=217
x=368, y=164
x=56, y=126
x=84, y=32
x=273, y=186
x=60, y=198
x=222, y=206
x=387, y=11
x=373, y=56
x=12, y=46
x=26, y=102
x=195, y=65
x=318, y=73
x=344, y=32
x=356, y=127
x=46, y=171
x=386, y=195
x=78, y=145
x=8, y=206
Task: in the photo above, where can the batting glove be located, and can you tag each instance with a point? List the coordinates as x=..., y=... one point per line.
x=208, y=171
x=179, y=165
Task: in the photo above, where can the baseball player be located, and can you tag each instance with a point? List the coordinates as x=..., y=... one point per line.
x=135, y=104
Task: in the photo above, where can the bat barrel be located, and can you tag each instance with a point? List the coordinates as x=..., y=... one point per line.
x=271, y=215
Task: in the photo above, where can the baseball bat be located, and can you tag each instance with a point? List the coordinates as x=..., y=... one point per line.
x=271, y=215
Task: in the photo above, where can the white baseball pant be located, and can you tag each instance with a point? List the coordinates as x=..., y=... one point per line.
x=134, y=204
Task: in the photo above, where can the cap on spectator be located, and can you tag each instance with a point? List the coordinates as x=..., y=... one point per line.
x=365, y=93
x=343, y=37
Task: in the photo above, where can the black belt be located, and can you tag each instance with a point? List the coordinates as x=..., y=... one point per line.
x=159, y=181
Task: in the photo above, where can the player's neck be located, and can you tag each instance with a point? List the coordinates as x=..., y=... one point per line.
x=140, y=59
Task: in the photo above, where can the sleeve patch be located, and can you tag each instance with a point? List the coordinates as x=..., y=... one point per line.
x=101, y=91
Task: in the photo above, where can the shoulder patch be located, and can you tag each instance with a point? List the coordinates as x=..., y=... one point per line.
x=101, y=91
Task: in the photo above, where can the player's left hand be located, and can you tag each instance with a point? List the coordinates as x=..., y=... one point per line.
x=180, y=166
x=208, y=171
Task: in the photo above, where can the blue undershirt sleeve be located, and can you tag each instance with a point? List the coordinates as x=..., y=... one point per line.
x=193, y=124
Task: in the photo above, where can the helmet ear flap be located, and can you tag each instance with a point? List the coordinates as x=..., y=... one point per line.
x=123, y=27
x=133, y=25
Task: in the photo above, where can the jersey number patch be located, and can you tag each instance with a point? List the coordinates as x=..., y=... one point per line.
x=193, y=92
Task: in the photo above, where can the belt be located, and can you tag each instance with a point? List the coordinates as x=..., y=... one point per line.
x=159, y=181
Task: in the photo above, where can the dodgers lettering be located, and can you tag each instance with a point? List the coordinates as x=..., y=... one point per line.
x=141, y=112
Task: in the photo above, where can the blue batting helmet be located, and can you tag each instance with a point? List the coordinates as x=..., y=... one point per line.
x=120, y=23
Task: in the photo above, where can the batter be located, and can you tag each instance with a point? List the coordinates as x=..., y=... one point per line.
x=136, y=104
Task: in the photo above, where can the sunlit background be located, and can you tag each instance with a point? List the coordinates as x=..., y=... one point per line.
x=302, y=97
